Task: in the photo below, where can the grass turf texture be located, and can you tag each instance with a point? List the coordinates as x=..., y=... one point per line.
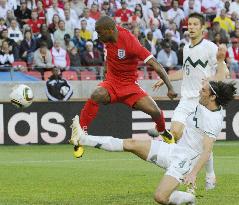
x=49, y=175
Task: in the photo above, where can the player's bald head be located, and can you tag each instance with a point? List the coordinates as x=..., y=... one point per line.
x=105, y=22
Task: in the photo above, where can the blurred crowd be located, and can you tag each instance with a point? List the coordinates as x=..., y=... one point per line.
x=61, y=33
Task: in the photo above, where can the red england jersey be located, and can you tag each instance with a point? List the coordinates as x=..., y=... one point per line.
x=123, y=56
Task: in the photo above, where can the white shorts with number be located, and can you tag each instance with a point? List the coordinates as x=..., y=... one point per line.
x=184, y=108
x=171, y=157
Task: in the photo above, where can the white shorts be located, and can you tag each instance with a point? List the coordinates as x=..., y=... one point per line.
x=171, y=157
x=184, y=108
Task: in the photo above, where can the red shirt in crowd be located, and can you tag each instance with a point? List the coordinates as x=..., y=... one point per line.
x=35, y=25
x=123, y=14
x=123, y=56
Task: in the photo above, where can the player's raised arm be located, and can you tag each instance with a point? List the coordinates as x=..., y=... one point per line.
x=163, y=75
x=222, y=70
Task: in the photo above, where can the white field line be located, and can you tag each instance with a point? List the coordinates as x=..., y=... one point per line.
x=89, y=160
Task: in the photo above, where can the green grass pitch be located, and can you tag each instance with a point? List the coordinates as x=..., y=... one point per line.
x=49, y=175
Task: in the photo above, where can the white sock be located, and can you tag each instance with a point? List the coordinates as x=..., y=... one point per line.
x=107, y=143
x=209, y=167
x=179, y=197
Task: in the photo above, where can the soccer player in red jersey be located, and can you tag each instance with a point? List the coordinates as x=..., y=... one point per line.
x=120, y=84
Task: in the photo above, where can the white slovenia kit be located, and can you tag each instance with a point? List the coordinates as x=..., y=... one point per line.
x=178, y=159
x=199, y=62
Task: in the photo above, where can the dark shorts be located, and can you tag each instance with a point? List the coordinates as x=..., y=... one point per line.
x=127, y=94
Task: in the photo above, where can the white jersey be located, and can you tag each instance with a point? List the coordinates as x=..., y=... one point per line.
x=199, y=62
x=199, y=123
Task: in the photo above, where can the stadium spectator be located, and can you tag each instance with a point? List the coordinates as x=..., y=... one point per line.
x=14, y=32
x=186, y=38
x=153, y=27
x=42, y=59
x=45, y=36
x=235, y=34
x=35, y=23
x=2, y=24
x=78, y=6
x=6, y=55
x=4, y=7
x=13, y=46
x=175, y=14
x=168, y=39
x=57, y=88
x=106, y=8
x=150, y=42
x=190, y=6
x=137, y=20
x=232, y=56
x=122, y=15
x=165, y=5
x=54, y=9
x=60, y=57
x=60, y=33
x=160, y=18
x=40, y=11
x=94, y=11
x=146, y=9
x=91, y=2
x=84, y=33
x=210, y=8
x=10, y=17
x=217, y=29
x=70, y=23
x=73, y=14
x=234, y=18
x=68, y=44
x=224, y=22
x=175, y=34
x=91, y=56
x=52, y=27
x=27, y=48
x=75, y=59
x=79, y=42
x=131, y=4
x=46, y=3
x=167, y=57
x=234, y=7
x=22, y=13
x=90, y=21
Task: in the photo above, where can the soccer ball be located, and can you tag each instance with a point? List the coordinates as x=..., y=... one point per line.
x=21, y=96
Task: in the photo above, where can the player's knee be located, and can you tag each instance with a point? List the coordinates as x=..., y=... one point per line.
x=100, y=95
x=160, y=198
x=129, y=145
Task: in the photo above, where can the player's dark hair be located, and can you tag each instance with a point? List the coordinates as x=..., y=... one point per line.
x=106, y=22
x=224, y=92
x=198, y=16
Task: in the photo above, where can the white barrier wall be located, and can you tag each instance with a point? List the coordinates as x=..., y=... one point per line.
x=83, y=89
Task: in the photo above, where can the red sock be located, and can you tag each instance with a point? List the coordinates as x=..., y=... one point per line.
x=88, y=113
x=160, y=122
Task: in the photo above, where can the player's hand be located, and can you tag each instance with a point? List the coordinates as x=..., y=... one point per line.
x=171, y=94
x=190, y=179
x=221, y=53
x=157, y=85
